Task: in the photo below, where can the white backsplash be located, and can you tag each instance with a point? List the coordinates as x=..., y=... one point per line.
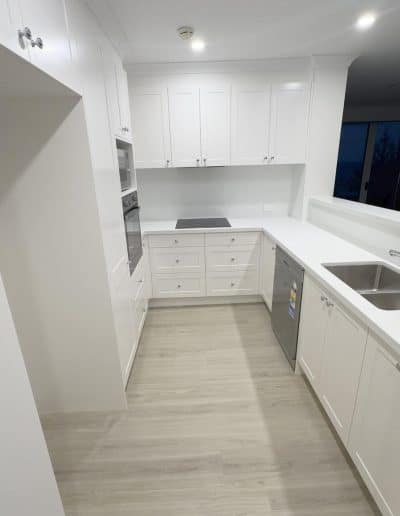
x=240, y=192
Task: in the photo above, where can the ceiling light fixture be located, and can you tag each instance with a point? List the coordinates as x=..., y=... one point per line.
x=365, y=21
x=198, y=45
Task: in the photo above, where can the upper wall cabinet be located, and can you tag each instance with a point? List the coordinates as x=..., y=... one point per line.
x=151, y=126
x=123, y=100
x=38, y=32
x=215, y=124
x=50, y=46
x=181, y=125
x=184, y=111
x=117, y=93
x=289, y=116
x=10, y=23
x=251, y=109
x=197, y=121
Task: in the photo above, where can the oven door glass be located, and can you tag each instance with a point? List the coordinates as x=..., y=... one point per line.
x=133, y=237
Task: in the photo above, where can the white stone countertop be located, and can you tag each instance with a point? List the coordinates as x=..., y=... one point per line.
x=311, y=247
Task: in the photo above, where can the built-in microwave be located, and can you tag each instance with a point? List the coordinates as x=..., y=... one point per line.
x=125, y=174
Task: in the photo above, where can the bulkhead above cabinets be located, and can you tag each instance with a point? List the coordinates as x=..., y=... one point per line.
x=196, y=121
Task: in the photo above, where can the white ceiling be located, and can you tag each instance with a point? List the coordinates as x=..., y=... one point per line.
x=145, y=30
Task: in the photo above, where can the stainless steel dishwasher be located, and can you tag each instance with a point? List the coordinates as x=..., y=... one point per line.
x=286, y=303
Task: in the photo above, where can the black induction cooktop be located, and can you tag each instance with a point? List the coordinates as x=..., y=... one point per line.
x=202, y=223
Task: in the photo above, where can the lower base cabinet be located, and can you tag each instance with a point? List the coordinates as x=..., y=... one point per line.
x=331, y=353
x=375, y=436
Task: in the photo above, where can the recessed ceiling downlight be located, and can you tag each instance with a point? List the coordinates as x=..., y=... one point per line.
x=198, y=45
x=365, y=21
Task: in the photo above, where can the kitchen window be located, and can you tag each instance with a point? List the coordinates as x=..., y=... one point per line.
x=368, y=168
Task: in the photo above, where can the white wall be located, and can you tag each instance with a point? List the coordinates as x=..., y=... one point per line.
x=216, y=191
x=372, y=228
x=52, y=258
x=28, y=486
x=326, y=111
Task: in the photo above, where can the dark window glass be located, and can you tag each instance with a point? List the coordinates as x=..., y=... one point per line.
x=349, y=172
x=384, y=180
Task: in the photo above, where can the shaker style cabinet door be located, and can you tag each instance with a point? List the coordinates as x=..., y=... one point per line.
x=341, y=368
x=313, y=324
x=123, y=100
x=374, y=440
x=51, y=51
x=215, y=125
x=251, y=104
x=150, y=126
x=184, y=111
x=288, y=123
x=10, y=24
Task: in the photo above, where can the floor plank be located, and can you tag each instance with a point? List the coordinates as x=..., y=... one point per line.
x=217, y=425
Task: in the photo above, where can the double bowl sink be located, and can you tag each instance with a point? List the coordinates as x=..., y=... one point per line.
x=376, y=282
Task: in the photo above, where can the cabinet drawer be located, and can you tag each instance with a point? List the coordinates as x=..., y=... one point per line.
x=232, y=239
x=178, y=285
x=177, y=240
x=182, y=259
x=226, y=283
x=232, y=258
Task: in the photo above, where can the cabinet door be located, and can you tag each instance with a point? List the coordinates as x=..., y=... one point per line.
x=110, y=80
x=267, y=270
x=288, y=123
x=123, y=100
x=150, y=126
x=184, y=111
x=10, y=23
x=343, y=356
x=374, y=441
x=250, y=124
x=47, y=20
x=215, y=125
x=313, y=323
x=122, y=309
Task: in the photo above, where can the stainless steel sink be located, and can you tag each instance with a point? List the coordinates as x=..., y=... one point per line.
x=375, y=281
x=384, y=300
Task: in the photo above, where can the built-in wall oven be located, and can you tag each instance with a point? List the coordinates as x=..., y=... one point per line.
x=133, y=233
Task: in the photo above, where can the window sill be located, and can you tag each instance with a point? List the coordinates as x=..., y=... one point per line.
x=359, y=210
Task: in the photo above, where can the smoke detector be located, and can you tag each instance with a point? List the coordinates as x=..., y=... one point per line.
x=185, y=32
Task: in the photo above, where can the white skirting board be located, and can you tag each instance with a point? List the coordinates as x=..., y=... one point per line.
x=209, y=300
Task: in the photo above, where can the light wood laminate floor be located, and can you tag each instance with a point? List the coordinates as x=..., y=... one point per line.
x=217, y=425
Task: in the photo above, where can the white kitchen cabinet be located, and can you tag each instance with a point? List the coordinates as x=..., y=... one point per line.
x=288, y=123
x=232, y=283
x=178, y=285
x=251, y=109
x=121, y=303
x=313, y=324
x=10, y=23
x=267, y=269
x=342, y=359
x=374, y=441
x=215, y=124
x=228, y=258
x=151, y=126
x=183, y=259
x=331, y=353
x=184, y=111
x=47, y=21
x=110, y=79
x=123, y=100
